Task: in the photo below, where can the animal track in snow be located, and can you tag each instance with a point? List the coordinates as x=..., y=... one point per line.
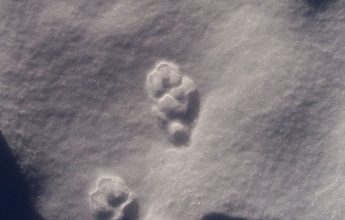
x=113, y=200
x=176, y=101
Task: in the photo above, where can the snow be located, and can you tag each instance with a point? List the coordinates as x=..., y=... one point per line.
x=265, y=134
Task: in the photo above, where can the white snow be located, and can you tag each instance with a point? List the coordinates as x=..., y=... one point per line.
x=266, y=140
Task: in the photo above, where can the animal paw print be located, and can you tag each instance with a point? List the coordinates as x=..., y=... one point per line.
x=175, y=101
x=113, y=200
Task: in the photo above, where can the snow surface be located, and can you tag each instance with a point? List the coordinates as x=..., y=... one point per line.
x=267, y=141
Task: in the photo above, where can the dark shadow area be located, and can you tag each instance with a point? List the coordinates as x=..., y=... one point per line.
x=319, y=5
x=315, y=7
x=15, y=195
x=180, y=138
x=131, y=212
x=193, y=108
x=220, y=216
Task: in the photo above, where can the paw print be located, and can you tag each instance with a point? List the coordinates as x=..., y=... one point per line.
x=113, y=200
x=175, y=100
